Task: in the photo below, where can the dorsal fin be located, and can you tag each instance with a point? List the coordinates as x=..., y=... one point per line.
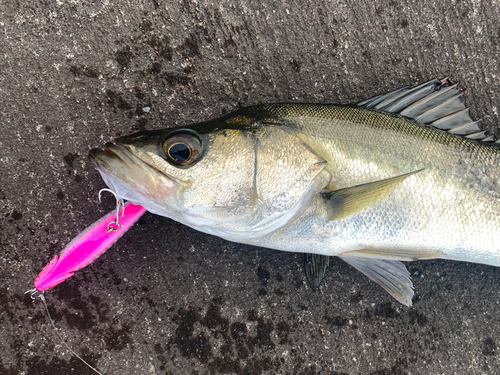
x=439, y=103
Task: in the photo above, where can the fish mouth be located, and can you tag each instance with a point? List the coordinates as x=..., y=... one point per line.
x=112, y=152
x=131, y=173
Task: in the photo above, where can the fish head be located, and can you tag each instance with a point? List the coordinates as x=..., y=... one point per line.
x=235, y=177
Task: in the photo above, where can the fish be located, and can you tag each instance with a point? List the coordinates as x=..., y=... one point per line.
x=402, y=176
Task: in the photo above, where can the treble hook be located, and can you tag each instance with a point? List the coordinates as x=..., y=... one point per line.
x=120, y=205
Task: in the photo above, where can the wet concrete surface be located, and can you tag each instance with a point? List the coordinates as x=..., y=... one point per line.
x=167, y=299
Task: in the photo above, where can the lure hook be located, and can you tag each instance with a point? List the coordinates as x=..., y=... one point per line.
x=120, y=206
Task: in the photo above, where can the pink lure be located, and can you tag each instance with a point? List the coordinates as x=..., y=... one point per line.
x=87, y=247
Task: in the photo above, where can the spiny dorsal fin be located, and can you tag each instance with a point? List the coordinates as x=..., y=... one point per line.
x=439, y=103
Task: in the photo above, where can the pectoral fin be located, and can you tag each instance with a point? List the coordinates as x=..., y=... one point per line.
x=351, y=200
x=315, y=266
x=391, y=275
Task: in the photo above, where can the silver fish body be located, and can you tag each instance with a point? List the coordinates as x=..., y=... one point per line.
x=452, y=206
x=368, y=183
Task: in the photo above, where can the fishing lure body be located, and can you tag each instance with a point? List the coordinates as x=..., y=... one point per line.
x=88, y=246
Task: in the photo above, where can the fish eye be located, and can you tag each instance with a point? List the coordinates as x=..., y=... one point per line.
x=182, y=149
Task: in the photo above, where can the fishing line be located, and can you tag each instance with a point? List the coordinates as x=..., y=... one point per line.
x=33, y=294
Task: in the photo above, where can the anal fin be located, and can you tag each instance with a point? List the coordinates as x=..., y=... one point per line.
x=391, y=275
x=315, y=266
x=395, y=254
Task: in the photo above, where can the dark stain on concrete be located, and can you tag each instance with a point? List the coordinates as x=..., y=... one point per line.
x=84, y=70
x=139, y=94
x=384, y=310
x=124, y=56
x=16, y=215
x=356, y=297
x=70, y=159
x=10, y=305
x=190, y=47
x=161, y=45
x=262, y=292
x=155, y=68
x=263, y=275
x=38, y=366
x=416, y=317
x=489, y=347
x=296, y=66
x=117, y=101
x=196, y=334
x=283, y=330
x=336, y=321
x=279, y=292
x=174, y=79
x=118, y=336
x=189, y=343
x=140, y=124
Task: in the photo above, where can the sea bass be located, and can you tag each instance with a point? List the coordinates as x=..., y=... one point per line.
x=403, y=176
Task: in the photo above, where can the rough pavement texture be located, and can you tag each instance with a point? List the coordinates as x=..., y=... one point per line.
x=167, y=299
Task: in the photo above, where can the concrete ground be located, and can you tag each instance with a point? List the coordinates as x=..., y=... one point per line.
x=169, y=300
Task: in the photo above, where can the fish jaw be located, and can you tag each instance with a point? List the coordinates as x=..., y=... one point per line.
x=132, y=175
